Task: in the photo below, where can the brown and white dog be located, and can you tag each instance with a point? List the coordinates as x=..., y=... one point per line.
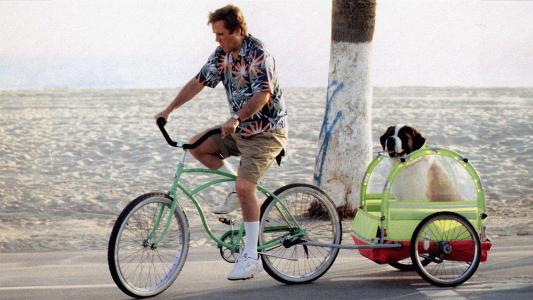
x=424, y=180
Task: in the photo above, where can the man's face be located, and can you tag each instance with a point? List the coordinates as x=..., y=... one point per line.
x=230, y=42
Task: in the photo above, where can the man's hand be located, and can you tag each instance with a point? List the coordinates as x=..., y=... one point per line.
x=163, y=114
x=229, y=127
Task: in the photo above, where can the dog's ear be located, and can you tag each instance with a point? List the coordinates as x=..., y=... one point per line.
x=418, y=139
x=384, y=137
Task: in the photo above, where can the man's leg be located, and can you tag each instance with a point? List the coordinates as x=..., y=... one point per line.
x=249, y=262
x=250, y=214
x=246, y=192
x=208, y=153
x=257, y=154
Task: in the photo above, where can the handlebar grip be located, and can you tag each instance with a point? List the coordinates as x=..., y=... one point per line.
x=161, y=122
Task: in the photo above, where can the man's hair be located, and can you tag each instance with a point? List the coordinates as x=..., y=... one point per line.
x=232, y=17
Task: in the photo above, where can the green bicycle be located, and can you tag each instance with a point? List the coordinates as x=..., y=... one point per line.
x=149, y=242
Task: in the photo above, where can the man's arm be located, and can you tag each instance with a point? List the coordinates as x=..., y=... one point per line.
x=191, y=89
x=254, y=105
x=251, y=107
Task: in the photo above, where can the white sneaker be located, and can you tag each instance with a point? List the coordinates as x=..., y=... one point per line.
x=230, y=204
x=245, y=268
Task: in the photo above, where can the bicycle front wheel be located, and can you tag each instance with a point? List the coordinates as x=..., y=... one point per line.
x=306, y=211
x=139, y=267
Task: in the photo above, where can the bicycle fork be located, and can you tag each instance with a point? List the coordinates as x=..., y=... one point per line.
x=173, y=194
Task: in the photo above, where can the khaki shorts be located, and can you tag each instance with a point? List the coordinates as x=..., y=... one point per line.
x=257, y=152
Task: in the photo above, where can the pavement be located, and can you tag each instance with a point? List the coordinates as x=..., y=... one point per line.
x=508, y=274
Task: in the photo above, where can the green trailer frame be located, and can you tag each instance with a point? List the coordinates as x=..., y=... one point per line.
x=381, y=219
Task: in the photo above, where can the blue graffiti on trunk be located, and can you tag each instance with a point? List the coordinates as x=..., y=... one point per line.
x=327, y=129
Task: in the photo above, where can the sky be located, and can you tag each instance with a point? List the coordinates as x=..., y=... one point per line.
x=160, y=44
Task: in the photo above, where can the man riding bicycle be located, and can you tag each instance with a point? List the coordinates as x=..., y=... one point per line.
x=256, y=130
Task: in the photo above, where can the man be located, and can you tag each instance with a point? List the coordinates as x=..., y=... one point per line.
x=256, y=130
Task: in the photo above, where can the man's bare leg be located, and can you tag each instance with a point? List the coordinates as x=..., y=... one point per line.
x=246, y=192
x=207, y=153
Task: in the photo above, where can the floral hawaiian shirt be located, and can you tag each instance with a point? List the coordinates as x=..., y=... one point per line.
x=253, y=71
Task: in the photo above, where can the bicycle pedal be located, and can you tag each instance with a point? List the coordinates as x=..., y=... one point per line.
x=226, y=221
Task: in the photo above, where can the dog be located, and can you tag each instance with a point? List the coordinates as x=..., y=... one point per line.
x=425, y=179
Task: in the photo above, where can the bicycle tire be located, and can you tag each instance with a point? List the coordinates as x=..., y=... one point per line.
x=316, y=214
x=128, y=244
x=453, y=246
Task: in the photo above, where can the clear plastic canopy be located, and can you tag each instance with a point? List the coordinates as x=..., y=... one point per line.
x=430, y=177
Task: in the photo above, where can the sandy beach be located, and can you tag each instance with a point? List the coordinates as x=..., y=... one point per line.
x=70, y=160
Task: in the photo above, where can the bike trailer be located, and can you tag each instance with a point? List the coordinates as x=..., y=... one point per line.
x=388, y=215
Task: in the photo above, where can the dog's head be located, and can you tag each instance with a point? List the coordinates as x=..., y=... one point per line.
x=401, y=140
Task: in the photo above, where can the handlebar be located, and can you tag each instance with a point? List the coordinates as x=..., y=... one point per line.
x=161, y=122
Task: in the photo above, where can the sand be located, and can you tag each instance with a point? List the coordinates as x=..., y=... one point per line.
x=70, y=160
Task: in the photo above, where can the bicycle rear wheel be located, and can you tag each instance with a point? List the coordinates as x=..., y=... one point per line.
x=138, y=267
x=316, y=216
x=452, y=245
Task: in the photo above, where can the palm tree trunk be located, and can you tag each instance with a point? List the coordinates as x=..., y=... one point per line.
x=346, y=136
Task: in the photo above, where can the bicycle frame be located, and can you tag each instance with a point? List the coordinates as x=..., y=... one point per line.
x=173, y=192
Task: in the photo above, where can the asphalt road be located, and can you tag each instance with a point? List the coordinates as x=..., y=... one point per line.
x=84, y=275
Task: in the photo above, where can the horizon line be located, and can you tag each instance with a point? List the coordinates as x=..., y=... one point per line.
x=287, y=87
